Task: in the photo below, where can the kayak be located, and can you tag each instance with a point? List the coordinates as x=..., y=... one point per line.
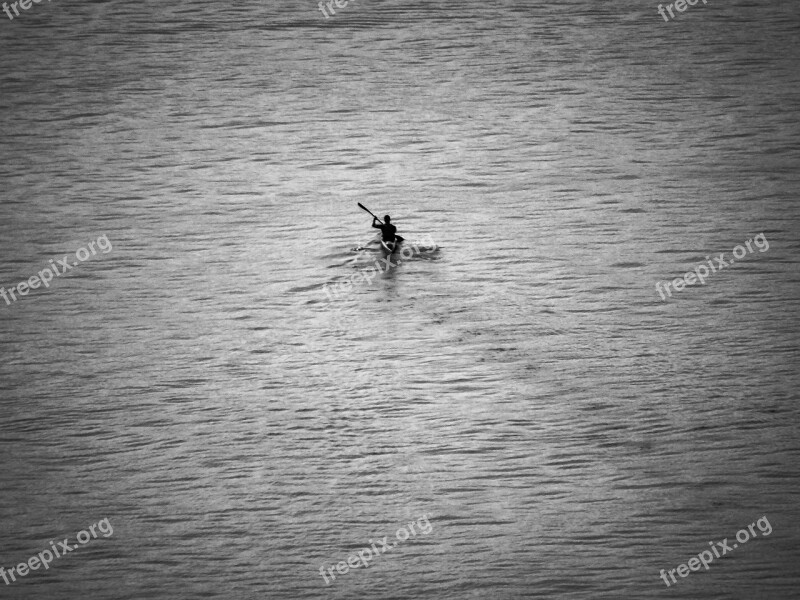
x=388, y=248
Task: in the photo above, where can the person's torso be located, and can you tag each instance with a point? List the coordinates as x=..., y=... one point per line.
x=389, y=231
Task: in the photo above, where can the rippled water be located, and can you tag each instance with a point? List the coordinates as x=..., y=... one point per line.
x=518, y=380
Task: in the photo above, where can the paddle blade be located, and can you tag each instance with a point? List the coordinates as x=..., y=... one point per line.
x=370, y=212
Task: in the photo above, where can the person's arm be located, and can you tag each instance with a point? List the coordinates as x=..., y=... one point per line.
x=374, y=219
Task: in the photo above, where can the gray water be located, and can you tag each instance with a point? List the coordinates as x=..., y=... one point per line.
x=518, y=381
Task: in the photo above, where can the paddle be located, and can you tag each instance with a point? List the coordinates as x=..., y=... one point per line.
x=397, y=237
x=361, y=206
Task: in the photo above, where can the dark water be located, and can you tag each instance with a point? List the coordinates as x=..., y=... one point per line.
x=518, y=380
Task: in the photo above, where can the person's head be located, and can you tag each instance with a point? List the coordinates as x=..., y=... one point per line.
x=387, y=219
